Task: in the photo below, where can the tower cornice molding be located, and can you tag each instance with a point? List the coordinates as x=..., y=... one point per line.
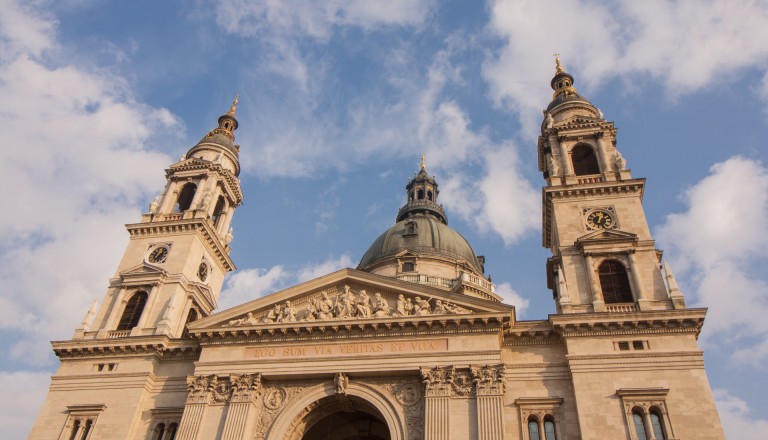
x=161, y=347
x=197, y=225
x=629, y=323
x=187, y=169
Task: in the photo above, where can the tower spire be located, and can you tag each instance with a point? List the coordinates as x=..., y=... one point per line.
x=423, y=162
x=233, y=109
x=562, y=83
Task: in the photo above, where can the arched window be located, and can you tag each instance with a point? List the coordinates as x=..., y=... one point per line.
x=549, y=428
x=533, y=429
x=132, y=311
x=221, y=204
x=75, y=428
x=421, y=194
x=159, y=431
x=429, y=195
x=584, y=160
x=656, y=425
x=185, y=197
x=172, y=428
x=87, y=429
x=614, y=282
x=637, y=418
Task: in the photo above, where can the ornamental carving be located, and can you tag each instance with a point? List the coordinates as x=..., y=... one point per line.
x=275, y=398
x=348, y=304
x=489, y=380
x=438, y=381
x=341, y=381
x=208, y=389
x=408, y=393
x=245, y=387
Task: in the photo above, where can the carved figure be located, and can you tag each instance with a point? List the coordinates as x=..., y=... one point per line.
x=552, y=167
x=205, y=202
x=248, y=319
x=439, y=308
x=548, y=121
x=380, y=306
x=344, y=302
x=400, y=308
x=289, y=313
x=324, y=307
x=422, y=307
x=341, y=381
x=363, y=305
x=273, y=315
x=311, y=311
x=230, y=235
x=600, y=114
x=153, y=207
x=621, y=163
x=408, y=306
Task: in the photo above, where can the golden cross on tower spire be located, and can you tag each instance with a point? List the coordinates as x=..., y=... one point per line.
x=423, y=163
x=233, y=109
x=558, y=66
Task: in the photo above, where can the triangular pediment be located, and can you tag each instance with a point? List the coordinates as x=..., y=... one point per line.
x=349, y=297
x=606, y=236
x=141, y=270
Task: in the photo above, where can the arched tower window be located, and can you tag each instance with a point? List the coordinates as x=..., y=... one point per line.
x=584, y=160
x=159, y=431
x=221, y=204
x=656, y=424
x=533, y=429
x=549, y=428
x=172, y=428
x=132, y=312
x=637, y=419
x=184, y=201
x=420, y=195
x=429, y=195
x=614, y=282
x=75, y=428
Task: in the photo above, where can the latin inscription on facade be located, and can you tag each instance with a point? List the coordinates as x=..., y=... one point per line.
x=352, y=348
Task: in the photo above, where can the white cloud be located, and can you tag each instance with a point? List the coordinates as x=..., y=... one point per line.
x=719, y=246
x=737, y=419
x=510, y=296
x=312, y=271
x=248, y=284
x=24, y=391
x=76, y=166
x=687, y=45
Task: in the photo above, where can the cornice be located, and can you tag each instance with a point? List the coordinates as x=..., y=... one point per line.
x=580, y=190
x=531, y=333
x=354, y=329
x=161, y=347
x=198, y=165
x=629, y=323
x=198, y=225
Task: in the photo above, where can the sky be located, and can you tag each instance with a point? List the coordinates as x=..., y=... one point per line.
x=338, y=100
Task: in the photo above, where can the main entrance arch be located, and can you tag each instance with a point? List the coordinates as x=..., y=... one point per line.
x=362, y=413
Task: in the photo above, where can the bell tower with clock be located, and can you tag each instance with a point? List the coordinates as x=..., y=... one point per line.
x=178, y=254
x=603, y=255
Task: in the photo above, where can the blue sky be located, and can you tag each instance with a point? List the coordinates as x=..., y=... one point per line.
x=338, y=99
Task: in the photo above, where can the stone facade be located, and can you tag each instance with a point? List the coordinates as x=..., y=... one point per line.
x=414, y=344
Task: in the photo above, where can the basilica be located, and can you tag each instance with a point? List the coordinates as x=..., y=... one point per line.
x=414, y=343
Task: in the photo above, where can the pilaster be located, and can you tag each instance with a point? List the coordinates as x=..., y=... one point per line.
x=437, y=397
x=490, y=385
x=246, y=389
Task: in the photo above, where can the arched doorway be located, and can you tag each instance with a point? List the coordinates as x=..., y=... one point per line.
x=344, y=417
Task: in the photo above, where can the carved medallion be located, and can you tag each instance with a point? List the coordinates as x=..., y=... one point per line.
x=275, y=398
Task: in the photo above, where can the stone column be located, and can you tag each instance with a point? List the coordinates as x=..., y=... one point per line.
x=564, y=158
x=246, y=389
x=604, y=157
x=437, y=397
x=198, y=398
x=490, y=385
x=117, y=307
x=598, y=303
x=642, y=299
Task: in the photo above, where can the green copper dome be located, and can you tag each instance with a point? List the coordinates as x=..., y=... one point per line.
x=421, y=235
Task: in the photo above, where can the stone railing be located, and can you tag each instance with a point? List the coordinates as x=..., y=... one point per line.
x=478, y=281
x=114, y=334
x=621, y=308
x=428, y=280
x=591, y=179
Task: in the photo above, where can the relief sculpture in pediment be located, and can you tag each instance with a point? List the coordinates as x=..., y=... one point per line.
x=348, y=304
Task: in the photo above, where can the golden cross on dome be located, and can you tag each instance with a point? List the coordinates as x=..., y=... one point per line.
x=233, y=109
x=558, y=66
x=423, y=163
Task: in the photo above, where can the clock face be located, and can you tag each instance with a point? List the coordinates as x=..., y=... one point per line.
x=158, y=254
x=202, y=271
x=599, y=219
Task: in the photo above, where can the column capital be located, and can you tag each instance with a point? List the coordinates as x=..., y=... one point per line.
x=489, y=380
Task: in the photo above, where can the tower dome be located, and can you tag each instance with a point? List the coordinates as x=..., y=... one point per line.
x=421, y=248
x=566, y=101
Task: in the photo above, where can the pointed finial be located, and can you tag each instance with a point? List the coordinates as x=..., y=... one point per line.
x=423, y=163
x=558, y=67
x=233, y=109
